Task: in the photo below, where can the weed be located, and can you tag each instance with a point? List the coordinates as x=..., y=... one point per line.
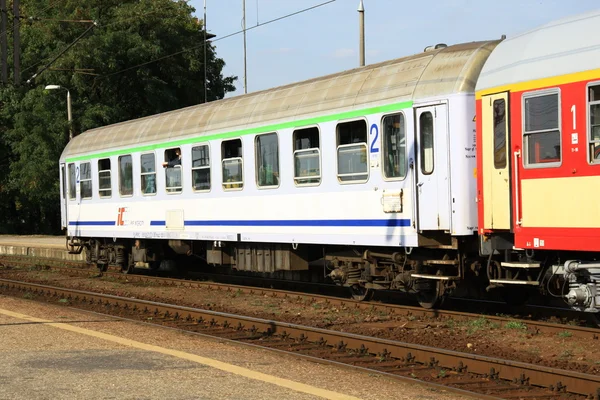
x=28, y=296
x=451, y=323
x=63, y=301
x=515, y=325
x=411, y=317
x=565, y=334
x=317, y=306
x=442, y=373
x=480, y=323
x=567, y=354
x=412, y=374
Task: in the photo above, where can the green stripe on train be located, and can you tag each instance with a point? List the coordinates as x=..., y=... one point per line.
x=261, y=129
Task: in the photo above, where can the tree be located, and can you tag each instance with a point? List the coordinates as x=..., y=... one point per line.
x=112, y=75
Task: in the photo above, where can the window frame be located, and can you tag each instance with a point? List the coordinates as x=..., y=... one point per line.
x=207, y=144
x=337, y=152
x=318, y=149
x=506, y=135
x=178, y=189
x=256, y=166
x=120, y=177
x=589, y=141
x=100, y=190
x=383, y=148
x=422, y=148
x=525, y=144
x=241, y=158
x=72, y=195
x=155, y=173
x=81, y=181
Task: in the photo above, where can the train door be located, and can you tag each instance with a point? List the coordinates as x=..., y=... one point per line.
x=496, y=174
x=432, y=147
x=63, y=196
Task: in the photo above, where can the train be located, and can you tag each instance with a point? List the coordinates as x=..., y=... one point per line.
x=465, y=165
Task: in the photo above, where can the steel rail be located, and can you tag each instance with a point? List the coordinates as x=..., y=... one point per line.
x=531, y=374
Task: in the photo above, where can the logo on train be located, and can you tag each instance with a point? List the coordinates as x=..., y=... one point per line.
x=120, y=216
x=122, y=220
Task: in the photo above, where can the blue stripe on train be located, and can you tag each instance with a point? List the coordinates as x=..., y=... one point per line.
x=92, y=223
x=297, y=222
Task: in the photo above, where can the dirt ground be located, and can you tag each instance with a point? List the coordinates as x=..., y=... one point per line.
x=513, y=340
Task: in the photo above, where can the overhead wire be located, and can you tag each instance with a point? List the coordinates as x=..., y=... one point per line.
x=218, y=39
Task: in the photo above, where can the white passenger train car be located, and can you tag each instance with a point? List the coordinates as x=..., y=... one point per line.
x=378, y=161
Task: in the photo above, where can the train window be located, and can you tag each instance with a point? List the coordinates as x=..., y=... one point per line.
x=307, y=157
x=352, y=165
x=267, y=160
x=85, y=180
x=394, y=146
x=427, y=149
x=499, y=134
x=231, y=160
x=148, y=174
x=201, y=168
x=72, y=181
x=173, y=170
x=594, y=123
x=125, y=176
x=542, y=130
x=104, y=184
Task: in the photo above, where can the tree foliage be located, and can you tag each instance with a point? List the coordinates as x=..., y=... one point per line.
x=112, y=76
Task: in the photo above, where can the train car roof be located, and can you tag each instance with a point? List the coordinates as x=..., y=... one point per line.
x=561, y=47
x=447, y=70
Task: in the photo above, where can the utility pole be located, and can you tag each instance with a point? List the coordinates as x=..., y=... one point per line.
x=3, y=44
x=361, y=22
x=244, y=29
x=205, y=60
x=17, y=43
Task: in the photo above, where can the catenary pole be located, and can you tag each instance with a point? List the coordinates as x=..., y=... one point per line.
x=205, y=61
x=361, y=22
x=244, y=29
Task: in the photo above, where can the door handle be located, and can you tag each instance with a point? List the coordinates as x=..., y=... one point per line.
x=419, y=184
x=517, y=154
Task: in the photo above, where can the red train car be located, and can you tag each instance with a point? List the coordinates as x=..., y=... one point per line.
x=538, y=161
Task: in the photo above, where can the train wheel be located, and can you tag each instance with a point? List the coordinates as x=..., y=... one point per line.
x=361, y=293
x=431, y=296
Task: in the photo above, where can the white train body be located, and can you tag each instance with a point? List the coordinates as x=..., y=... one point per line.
x=330, y=212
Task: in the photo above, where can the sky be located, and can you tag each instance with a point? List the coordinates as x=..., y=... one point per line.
x=325, y=40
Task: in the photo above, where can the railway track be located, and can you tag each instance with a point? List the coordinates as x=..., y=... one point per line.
x=534, y=326
x=464, y=372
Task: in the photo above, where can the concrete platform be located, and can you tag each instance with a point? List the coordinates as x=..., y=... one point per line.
x=78, y=355
x=53, y=247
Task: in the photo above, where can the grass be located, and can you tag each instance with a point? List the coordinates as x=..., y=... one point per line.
x=517, y=325
x=566, y=354
x=480, y=324
x=28, y=296
x=565, y=334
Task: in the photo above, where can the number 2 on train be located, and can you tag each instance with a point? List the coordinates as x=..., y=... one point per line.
x=374, y=148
